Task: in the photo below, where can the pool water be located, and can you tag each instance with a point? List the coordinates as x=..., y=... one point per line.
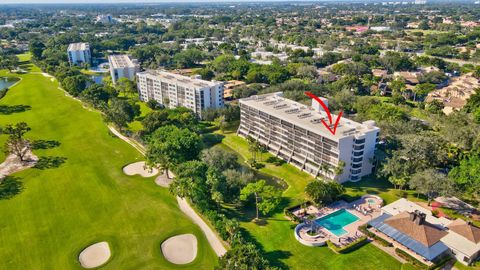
x=371, y=201
x=335, y=221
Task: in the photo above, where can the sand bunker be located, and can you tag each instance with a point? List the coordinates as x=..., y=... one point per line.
x=164, y=181
x=12, y=164
x=139, y=168
x=180, y=249
x=95, y=255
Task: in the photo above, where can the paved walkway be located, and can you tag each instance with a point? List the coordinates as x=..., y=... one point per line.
x=212, y=237
x=135, y=145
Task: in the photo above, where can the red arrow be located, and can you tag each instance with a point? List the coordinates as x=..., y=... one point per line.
x=328, y=114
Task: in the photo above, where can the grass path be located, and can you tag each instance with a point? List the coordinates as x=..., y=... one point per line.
x=59, y=211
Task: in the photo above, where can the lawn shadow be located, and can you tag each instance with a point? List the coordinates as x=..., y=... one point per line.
x=7, y=109
x=49, y=162
x=45, y=144
x=275, y=161
x=211, y=139
x=275, y=257
x=9, y=187
x=370, y=184
x=25, y=65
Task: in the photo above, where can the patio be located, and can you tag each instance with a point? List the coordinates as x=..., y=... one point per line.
x=365, y=209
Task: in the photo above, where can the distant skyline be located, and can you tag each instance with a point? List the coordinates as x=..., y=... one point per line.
x=139, y=2
x=175, y=1
x=197, y=1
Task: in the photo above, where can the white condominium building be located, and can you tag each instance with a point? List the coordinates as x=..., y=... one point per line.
x=79, y=53
x=122, y=66
x=173, y=90
x=295, y=132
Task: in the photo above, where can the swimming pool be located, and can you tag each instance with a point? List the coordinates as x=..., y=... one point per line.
x=335, y=221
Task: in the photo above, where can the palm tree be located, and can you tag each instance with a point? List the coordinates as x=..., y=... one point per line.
x=339, y=169
x=253, y=147
x=158, y=160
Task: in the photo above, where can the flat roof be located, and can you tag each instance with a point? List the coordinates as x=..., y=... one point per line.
x=404, y=205
x=307, y=117
x=193, y=82
x=81, y=46
x=121, y=61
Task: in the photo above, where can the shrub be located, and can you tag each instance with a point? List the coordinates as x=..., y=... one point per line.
x=3, y=92
x=350, y=247
x=377, y=238
x=275, y=161
x=409, y=258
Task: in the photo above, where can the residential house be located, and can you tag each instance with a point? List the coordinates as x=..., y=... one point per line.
x=455, y=95
x=413, y=229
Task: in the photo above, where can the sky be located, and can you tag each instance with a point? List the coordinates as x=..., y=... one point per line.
x=121, y=1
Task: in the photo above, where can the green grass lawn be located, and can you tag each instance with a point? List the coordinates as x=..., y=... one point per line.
x=24, y=60
x=461, y=266
x=276, y=236
x=137, y=124
x=59, y=211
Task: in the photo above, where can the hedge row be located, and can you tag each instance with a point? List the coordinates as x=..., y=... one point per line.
x=350, y=247
x=377, y=238
x=409, y=258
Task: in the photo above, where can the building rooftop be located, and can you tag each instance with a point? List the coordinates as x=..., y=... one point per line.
x=194, y=82
x=233, y=83
x=427, y=240
x=424, y=232
x=466, y=230
x=463, y=237
x=404, y=205
x=82, y=46
x=427, y=246
x=121, y=61
x=307, y=117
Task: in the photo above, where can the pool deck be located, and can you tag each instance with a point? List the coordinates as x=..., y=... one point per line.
x=353, y=208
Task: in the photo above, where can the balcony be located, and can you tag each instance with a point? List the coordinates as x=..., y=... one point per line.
x=355, y=171
x=357, y=154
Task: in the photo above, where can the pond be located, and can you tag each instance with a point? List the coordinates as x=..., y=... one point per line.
x=97, y=78
x=278, y=183
x=6, y=82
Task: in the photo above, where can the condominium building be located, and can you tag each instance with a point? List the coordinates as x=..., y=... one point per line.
x=122, y=66
x=295, y=132
x=175, y=90
x=79, y=53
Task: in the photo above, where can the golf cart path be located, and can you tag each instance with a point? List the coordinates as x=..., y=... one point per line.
x=212, y=237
